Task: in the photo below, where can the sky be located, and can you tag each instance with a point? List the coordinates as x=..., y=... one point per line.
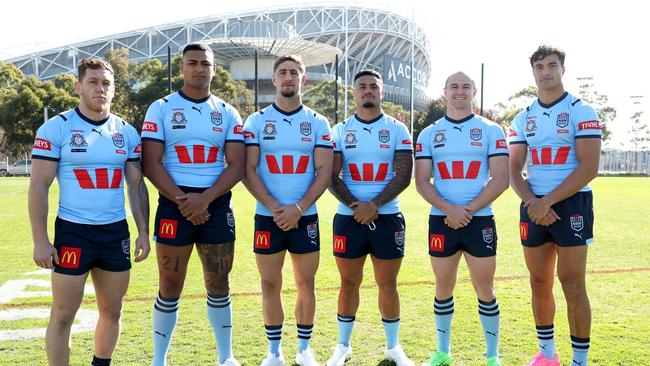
x=604, y=40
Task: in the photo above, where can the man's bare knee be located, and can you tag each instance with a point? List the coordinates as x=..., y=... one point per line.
x=111, y=312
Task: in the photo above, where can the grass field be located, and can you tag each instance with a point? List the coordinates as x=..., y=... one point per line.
x=619, y=268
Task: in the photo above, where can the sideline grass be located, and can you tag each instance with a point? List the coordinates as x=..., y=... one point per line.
x=619, y=265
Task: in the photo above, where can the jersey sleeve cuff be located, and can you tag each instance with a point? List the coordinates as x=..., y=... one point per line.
x=498, y=154
x=237, y=141
x=324, y=146
x=49, y=158
x=517, y=142
x=423, y=157
x=133, y=159
x=153, y=139
x=588, y=137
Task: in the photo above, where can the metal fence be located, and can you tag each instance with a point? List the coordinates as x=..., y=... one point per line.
x=616, y=162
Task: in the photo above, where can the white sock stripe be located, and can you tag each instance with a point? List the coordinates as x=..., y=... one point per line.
x=219, y=299
x=274, y=332
x=488, y=307
x=219, y=304
x=449, y=306
x=166, y=308
x=545, y=332
x=162, y=302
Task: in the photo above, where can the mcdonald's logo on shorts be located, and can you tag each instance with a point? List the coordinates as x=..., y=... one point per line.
x=69, y=257
x=168, y=229
x=340, y=243
x=523, y=230
x=436, y=242
x=262, y=239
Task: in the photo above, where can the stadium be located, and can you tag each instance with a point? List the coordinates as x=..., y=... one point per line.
x=361, y=37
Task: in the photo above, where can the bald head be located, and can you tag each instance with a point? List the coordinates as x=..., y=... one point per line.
x=459, y=78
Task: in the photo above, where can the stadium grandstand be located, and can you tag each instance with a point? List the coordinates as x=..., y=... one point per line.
x=362, y=38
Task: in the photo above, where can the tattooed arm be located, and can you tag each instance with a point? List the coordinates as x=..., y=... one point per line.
x=337, y=187
x=139, y=202
x=403, y=166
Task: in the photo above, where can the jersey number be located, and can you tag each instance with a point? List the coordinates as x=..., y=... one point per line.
x=198, y=154
x=287, y=164
x=547, y=156
x=368, y=172
x=458, y=170
x=101, y=178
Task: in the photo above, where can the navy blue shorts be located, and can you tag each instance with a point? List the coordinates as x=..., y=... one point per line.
x=171, y=228
x=82, y=247
x=478, y=238
x=354, y=240
x=575, y=227
x=270, y=239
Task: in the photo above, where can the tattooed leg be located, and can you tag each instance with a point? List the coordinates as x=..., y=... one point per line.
x=217, y=261
x=172, y=268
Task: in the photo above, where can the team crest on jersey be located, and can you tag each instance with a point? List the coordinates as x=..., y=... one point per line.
x=312, y=230
x=439, y=139
x=562, y=120
x=305, y=128
x=230, y=219
x=384, y=136
x=215, y=117
x=350, y=140
x=118, y=139
x=78, y=140
x=178, y=120
x=488, y=234
x=531, y=124
x=475, y=134
x=577, y=222
x=269, y=130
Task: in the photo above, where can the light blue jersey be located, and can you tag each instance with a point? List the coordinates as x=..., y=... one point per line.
x=460, y=152
x=195, y=133
x=368, y=149
x=287, y=141
x=550, y=132
x=91, y=160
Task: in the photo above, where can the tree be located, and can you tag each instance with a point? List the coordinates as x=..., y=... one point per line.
x=606, y=113
x=123, y=103
x=21, y=111
x=640, y=133
x=436, y=110
x=517, y=102
x=320, y=97
x=10, y=76
x=66, y=82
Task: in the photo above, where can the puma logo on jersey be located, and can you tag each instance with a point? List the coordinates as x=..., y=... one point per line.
x=368, y=129
x=99, y=132
x=197, y=109
x=547, y=114
x=288, y=121
x=458, y=128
